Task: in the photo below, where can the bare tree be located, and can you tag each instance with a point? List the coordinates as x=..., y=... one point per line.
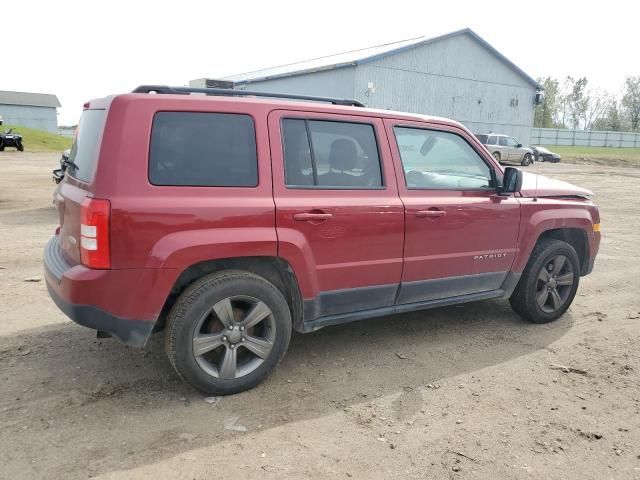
x=631, y=100
x=598, y=102
x=577, y=102
x=563, y=101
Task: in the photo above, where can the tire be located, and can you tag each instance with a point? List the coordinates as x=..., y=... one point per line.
x=527, y=298
x=193, y=317
x=496, y=155
x=1, y=147
x=20, y=147
x=526, y=160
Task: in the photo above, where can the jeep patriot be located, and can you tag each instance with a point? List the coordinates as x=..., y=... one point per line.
x=232, y=218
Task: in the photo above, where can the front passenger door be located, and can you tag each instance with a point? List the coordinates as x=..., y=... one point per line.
x=460, y=237
x=514, y=150
x=504, y=149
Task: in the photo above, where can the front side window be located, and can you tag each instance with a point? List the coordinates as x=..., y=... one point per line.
x=203, y=149
x=493, y=140
x=512, y=142
x=440, y=160
x=328, y=154
x=503, y=141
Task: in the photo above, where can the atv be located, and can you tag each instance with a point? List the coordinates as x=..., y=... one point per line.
x=9, y=139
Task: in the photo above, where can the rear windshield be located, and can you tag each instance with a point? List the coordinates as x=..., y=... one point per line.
x=86, y=146
x=203, y=149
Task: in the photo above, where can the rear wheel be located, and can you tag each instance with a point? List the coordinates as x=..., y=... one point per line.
x=496, y=155
x=228, y=331
x=549, y=282
x=1, y=147
x=526, y=160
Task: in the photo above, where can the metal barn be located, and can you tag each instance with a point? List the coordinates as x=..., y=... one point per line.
x=457, y=75
x=31, y=110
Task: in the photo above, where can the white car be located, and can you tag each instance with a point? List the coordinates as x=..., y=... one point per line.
x=506, y=149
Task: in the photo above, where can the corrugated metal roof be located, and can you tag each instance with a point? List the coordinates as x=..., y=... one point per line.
x=29, y=99
x=364, y=55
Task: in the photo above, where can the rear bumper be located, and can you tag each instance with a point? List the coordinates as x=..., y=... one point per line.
x=125, y=303
x=132, y=332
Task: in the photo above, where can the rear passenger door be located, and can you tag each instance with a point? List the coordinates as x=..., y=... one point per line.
x=339, y=220
x=460, y=236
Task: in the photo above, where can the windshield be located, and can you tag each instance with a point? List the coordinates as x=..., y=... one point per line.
x=86, y=146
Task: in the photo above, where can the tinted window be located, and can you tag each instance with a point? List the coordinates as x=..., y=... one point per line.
x=503, y=141
x=493, y=140
x=203, y=149
x=482, y=138
x=440, y=160
x=297, y=154
x=330, y=154
x=86, y=146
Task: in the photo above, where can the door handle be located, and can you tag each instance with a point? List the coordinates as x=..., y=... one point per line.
x=311, y=217
x=430, y=213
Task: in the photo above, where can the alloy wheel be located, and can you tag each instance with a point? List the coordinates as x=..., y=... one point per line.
x=554, y=283
x=234, y=337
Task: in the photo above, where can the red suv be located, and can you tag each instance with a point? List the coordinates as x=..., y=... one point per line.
x=228, y=220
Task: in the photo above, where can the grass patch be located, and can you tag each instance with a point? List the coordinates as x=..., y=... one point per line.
x=39, y=140
x=598, y=155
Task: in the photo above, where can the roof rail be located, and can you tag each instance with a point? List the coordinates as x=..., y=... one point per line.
x=165, y=89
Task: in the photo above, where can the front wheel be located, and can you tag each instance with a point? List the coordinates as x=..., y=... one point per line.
x=20, y=147
x=549, y=282
x=228, y=331
x=526, y=160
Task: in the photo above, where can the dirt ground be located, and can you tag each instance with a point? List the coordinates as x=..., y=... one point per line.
x=458, y=392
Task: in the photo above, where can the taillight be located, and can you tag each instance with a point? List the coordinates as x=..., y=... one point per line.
x=95, y=215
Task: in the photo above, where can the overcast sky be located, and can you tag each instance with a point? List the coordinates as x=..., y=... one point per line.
x=87, y=49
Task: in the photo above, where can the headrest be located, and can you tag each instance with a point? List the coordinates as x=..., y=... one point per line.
x=343, y=154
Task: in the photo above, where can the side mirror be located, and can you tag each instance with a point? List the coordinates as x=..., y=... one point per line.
x=512, y=180
x=519, y=145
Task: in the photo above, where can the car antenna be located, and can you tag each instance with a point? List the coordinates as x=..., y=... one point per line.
x=535, y=192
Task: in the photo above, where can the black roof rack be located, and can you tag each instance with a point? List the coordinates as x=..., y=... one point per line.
x=241, y=93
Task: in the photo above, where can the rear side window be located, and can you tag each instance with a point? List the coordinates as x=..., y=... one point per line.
x=493, y=140
x=329, y=154
x=86, y=146
x=482, y=138
x=203, y=149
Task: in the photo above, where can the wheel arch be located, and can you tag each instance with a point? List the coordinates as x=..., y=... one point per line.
x=576, y=237
x=274, y=269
